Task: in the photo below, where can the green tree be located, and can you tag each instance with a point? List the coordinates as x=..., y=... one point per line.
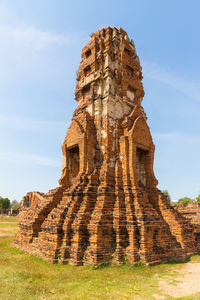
x=166, y=193
x=186, y=200
x=198, y=198
x=4, y=203
x=15, y=204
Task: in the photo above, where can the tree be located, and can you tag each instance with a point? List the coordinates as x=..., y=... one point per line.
x=186, y=200
x=4, y=203
x=166, y=193
x=15, y=204
x=198, y=198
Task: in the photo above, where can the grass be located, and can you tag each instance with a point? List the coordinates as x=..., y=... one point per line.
x=23, y=276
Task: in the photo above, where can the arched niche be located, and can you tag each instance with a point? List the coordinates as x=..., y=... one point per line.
x=74, y=154
x=141, y=154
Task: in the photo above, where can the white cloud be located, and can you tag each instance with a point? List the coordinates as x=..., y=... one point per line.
x=178, y=137
x=28, y=50
x=180, y=83
x=21, y=123
x=23, y=158
x=6, y=15
x=30, y=36
x=14, y=30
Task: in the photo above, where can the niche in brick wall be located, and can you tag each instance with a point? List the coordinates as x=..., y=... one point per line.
x=86, y=90
x=141, y=160
x=73, y=162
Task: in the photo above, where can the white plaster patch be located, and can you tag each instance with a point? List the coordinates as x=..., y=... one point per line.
x=107, y=87
x=109, y=63
x=104, y=134
x=99, y=88
x=104, y=113
x=103, y=149
x=119, y=112
x=111, y=122
x=111, y=108
x=96, y=108
x=64, y=162
x=89, y=109
x=86, y=80
x=127, y=109
x=111, y=164
x=130, y=95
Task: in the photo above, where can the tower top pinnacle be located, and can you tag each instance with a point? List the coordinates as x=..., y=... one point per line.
x=109, y=67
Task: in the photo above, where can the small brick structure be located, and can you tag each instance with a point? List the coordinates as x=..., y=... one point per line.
x=107, y=206
x=190, y=211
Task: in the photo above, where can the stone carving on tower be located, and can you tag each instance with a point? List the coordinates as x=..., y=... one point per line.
x=107, y=206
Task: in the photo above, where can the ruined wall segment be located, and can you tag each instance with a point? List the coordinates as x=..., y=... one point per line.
x=107, y=206
x=190, y=211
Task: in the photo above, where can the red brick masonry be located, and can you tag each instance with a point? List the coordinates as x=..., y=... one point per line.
x=190, y=211
x=107, y=207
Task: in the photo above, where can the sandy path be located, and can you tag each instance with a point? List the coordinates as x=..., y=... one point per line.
x=187, y=283
x=7, y=229
x=5, y=234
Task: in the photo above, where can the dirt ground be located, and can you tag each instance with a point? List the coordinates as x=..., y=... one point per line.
x=186, y=284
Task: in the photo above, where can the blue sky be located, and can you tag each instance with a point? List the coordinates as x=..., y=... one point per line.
x=40, y=47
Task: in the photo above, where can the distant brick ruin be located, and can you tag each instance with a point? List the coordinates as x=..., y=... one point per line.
x=107, y=207
x=190, y=211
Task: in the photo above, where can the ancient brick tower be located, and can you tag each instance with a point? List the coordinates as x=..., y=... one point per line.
x=107, y=206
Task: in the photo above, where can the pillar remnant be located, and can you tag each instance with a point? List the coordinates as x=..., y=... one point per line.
x=107, y=206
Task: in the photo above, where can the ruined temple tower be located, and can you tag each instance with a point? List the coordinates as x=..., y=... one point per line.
x=107, y=206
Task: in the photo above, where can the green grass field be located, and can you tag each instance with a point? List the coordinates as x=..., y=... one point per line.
x=23, y=276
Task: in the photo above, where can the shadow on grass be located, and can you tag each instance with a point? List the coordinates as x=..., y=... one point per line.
x=188, y=259
x=105, y=265
x=177, y=262
x=102, y=266
x=140, y=264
